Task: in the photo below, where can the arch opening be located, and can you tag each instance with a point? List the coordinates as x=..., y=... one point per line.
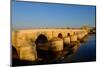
x=68, y=34
x=60, y=35
x=42, y=46
x=41, y=39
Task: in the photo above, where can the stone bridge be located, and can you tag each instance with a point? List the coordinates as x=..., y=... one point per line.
x=25, y=41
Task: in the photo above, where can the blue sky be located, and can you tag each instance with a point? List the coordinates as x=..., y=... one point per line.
x=38, y=15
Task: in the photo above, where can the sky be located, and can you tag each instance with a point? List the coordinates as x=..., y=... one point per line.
x=50, y=15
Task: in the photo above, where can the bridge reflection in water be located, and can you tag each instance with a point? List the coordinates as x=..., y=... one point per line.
x=46, y=56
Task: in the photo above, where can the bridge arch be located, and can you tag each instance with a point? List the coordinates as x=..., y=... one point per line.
x=60, y=35
x=41, y=39
x=37, y=34
x=68, y=34
x=42, y=42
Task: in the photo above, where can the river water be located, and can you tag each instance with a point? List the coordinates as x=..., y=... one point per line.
x=85, y=52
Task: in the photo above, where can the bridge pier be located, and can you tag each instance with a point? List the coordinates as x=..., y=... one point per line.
x=73, y=38
x=81, y=35
x=56, y=44
x=28, y=53
x=66, y=40
x=25, y=48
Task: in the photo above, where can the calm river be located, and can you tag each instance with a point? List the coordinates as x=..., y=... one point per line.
x=85, y=52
